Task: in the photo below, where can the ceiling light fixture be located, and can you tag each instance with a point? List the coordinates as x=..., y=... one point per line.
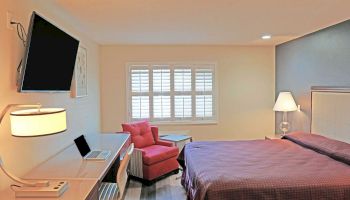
x=266, y=37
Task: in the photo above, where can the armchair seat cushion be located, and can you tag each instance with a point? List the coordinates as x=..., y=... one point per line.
x=158, y=153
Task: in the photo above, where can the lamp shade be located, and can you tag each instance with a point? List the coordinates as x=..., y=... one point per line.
x=37, y=122
x=285, y=102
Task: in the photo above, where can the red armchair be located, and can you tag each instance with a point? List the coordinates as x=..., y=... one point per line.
x=152, y=157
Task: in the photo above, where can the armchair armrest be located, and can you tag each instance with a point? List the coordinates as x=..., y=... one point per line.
x=136, y=163
x=154, y=130
x=158, y=141
x=164, y=143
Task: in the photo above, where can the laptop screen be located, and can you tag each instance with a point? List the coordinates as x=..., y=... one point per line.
x=82, y=145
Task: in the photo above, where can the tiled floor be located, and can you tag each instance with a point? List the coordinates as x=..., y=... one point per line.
x=168, y=188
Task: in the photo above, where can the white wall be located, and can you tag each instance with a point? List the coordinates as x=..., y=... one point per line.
x=245, y=78
x=21, y=154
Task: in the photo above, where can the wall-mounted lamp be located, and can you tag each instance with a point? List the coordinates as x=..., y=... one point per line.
x=30, y=123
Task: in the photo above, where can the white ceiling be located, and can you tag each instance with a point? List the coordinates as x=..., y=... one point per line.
x=202, y=22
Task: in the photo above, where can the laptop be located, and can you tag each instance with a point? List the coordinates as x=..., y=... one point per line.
x=86, y=152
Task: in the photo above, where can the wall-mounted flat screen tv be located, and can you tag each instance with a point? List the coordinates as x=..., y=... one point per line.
x=49, y=59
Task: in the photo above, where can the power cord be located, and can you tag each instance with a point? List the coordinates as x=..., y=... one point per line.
x=21, y=32
x=23, y=37
x=19, y=66
x=14, y=185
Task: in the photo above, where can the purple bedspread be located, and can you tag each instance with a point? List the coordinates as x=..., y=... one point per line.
x=262, y=169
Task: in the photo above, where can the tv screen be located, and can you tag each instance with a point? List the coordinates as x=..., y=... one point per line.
x=49, y=59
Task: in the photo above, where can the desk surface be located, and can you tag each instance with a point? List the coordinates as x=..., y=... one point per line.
x=68, y=163
x=83, y=176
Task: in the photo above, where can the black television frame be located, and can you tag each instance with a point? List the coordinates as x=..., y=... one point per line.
x=22, y=67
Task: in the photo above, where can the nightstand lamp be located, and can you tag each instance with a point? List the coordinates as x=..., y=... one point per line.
x=285, y=103
x=32, y=123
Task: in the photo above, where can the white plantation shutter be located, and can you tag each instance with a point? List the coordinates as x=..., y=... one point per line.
x=161, y=88
x=182, y=80
x=183, y=106
x=140, y=107
x=204, y=92
x=204, y=106
x=161, y=107
x=139, y=80
x=183, y=92
x=170, y=92
x=204, y=80
x=161, y=80
x=140, y=91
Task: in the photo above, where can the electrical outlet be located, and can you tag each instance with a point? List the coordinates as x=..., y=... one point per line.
x=9, y=18
x=55, y=189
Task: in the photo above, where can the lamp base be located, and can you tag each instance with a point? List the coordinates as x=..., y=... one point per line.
x=284, y=127
x=55, y=189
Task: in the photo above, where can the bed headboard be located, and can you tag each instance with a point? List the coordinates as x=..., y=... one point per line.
x=330, y=112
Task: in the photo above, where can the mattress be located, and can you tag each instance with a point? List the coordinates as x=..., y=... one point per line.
x=266, y=169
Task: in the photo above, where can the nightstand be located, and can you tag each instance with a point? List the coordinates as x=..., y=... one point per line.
x=272, y=137
x=178, y=140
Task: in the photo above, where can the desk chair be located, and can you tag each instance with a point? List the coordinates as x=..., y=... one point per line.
x=115, y=191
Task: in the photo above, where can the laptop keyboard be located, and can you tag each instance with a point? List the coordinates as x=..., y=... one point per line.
x=93, y=154
x=104, y=154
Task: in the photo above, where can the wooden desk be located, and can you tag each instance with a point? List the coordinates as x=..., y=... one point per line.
x=84, y=177
x=68, y=164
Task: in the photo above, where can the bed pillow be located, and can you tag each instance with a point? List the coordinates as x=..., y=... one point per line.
x=333, y=148
x=141, y=134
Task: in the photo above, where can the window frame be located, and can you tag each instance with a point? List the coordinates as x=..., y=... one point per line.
x=174, y=120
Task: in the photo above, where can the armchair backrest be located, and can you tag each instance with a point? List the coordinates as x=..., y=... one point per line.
x=141, y=133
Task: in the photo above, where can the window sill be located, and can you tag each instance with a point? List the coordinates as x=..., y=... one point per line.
x=204, y=122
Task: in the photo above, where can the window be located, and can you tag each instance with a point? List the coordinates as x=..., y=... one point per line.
x=172, y=93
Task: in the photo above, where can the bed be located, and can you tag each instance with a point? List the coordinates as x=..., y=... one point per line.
x=300, y=166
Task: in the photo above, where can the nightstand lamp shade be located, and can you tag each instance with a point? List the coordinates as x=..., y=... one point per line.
x=38, y=122
x=285, y=102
